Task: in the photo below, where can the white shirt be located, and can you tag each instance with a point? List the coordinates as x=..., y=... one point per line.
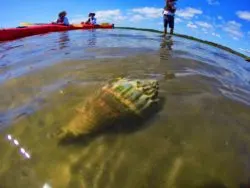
x=93, y=21
x=166, y=12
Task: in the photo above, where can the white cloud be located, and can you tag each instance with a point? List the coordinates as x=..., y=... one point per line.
x=136, y=18
x=110, y=15
x=77, y=20
x=188, y=12
x=102, y=16
x=216, y=35
x=235, y=38
x=204, y=30
x=191, y=25
x=213, y=2
x=204, y=24
x=149, y=12
x=245, y=15
x=178, y=20
x=233, y=29
x=220, y=18
x=117, y=16
x=207, y=17
x=245, y=50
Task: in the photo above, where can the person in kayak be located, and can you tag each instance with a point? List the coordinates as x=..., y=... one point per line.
x=92, y=19
x=168, y=16
x=62, y=19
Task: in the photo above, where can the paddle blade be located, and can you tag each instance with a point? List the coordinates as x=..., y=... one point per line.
x=25, y=24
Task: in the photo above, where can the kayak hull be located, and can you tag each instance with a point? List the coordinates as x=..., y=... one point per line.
x=17, y=33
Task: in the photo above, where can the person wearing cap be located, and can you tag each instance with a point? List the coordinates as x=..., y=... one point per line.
x=62, y=19
x=92, y=19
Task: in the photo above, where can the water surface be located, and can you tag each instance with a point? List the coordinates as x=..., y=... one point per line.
x=200, y=137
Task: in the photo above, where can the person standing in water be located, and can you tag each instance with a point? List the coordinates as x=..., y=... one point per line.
x=168, y=16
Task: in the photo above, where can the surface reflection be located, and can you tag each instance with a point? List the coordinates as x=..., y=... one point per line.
x=64, y=39
x=14, y=142
x=46, y=185
x=92, y=38
x=167, y=42
x=165, y=47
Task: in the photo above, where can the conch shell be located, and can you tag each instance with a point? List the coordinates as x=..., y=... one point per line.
x=117, y=101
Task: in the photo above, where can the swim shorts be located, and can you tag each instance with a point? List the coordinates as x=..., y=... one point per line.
x=168, y=20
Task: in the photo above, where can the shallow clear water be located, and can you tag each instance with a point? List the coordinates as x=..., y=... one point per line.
x=200, y=137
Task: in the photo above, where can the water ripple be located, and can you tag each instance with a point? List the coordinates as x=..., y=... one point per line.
x=31, y=54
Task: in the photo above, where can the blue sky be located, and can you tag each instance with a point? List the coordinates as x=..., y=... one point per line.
x=223, y=21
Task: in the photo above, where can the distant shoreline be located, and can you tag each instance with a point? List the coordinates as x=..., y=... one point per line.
x=192, y=38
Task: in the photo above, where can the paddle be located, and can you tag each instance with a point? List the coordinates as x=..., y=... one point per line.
x=24, y=24
x=29, y=24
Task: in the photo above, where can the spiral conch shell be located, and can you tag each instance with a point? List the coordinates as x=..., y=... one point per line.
x=119, y=100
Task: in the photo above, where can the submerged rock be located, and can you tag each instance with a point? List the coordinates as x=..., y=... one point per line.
x=120, y=100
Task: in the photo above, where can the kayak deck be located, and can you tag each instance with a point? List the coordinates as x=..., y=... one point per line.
x=17, y=33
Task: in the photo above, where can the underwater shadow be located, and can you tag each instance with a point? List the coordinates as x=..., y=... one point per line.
x=218, y=184
x=212, y=184
x=128, y=126
x=123, y=126
x=243, y=185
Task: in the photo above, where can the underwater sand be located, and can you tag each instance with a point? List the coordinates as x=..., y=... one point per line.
x=200, y=137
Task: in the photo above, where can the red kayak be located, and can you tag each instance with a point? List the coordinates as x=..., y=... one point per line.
x=20, y=32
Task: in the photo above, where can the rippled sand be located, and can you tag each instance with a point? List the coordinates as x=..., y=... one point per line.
x=200, y=138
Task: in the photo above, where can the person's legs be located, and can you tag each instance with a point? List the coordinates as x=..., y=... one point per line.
x=165, y=30
x=171, y=24
x=171, y=31
x=165, y=24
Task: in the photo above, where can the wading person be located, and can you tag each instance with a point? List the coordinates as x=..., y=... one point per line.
x=168, y=16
